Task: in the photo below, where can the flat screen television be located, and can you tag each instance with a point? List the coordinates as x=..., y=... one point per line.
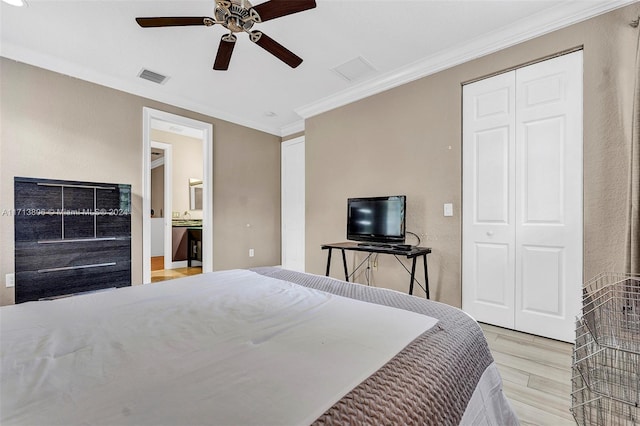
x=378, y=220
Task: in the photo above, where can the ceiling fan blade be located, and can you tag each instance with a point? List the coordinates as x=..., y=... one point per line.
x=175, y=21
x=223, y=57
x=275, y=48
x=277, y=8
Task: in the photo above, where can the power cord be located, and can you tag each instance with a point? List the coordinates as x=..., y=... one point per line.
x=415, y=235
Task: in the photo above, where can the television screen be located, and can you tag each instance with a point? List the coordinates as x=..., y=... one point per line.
x=376, y=219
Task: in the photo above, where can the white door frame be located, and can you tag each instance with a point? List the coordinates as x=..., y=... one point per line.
x=149, y=114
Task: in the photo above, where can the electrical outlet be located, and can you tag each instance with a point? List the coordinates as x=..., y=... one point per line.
x=251, y=252
x=10, y=280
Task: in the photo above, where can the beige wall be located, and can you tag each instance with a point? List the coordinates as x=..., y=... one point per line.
x=186, y=162
x=408, y=141
x=58, y=127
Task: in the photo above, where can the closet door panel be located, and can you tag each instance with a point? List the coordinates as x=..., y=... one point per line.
x=488, y=213
x=493, y=275
x=491, y=168
x=549, y=196
x=543, y=178
x=542, y=280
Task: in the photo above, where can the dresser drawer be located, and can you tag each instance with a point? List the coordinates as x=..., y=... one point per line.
x=70, y=237
x=35, y=285
x=34, y=256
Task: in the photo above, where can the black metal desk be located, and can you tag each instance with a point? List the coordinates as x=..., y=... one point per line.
x=413, y=254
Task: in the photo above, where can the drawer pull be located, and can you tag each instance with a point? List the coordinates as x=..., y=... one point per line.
x=76, y=240
x=68, y=185
x=71, y=268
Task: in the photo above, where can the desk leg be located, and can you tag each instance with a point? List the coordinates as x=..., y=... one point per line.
x=426, y=275
x=328, y=262
x=413, y=275
x=344, y=263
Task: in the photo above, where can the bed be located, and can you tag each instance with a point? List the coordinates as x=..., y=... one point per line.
x=261, y=346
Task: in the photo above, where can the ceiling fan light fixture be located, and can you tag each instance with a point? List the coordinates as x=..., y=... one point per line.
x=234, y=15
x=239, y=16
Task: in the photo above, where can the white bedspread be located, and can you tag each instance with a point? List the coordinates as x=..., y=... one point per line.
x=224, y=348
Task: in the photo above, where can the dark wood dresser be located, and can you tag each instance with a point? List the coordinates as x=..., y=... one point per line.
x=70, y=237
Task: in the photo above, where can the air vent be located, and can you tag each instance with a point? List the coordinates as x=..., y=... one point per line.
x=153, y=76
x=354, y=69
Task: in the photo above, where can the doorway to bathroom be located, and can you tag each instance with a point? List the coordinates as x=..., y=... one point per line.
x=177, y=199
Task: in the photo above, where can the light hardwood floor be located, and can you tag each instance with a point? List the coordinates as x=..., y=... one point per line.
x=170, y=274
x=158, y=273
x=536, y=374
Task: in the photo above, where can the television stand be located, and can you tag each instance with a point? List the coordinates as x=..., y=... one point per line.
x=413, y=253
x=382, y=245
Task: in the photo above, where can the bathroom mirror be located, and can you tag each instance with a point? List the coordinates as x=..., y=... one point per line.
x=195, y=194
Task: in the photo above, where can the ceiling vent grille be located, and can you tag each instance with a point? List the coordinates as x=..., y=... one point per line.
x=153, y=76
x=354, y=69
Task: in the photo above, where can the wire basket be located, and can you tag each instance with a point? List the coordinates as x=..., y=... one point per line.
x=611, y=310
x=606, y=355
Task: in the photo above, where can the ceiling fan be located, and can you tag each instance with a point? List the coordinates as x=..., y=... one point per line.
x=240, y=16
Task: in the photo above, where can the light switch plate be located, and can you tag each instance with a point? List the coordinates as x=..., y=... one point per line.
x=448, y=209
x=10, y=280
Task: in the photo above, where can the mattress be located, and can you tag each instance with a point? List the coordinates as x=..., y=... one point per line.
x=262, y=346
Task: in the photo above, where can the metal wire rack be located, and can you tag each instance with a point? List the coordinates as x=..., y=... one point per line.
x=606, y=355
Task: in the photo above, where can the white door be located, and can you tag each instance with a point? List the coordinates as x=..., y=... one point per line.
x=537, y=269
x=488, y=248
x=549, y=196
x=293, y=204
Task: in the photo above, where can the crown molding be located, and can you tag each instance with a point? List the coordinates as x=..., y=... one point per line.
x=157, y=163
x=292, y=128
x=559, y=17
x=534, y=26
x=41, y=60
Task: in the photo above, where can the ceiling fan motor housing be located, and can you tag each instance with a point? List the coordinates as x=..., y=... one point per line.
x=235, y=15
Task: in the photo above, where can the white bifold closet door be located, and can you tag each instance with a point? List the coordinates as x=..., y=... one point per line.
x=522, y=198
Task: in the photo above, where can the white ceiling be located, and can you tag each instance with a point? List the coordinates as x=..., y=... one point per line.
x=99, y=41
